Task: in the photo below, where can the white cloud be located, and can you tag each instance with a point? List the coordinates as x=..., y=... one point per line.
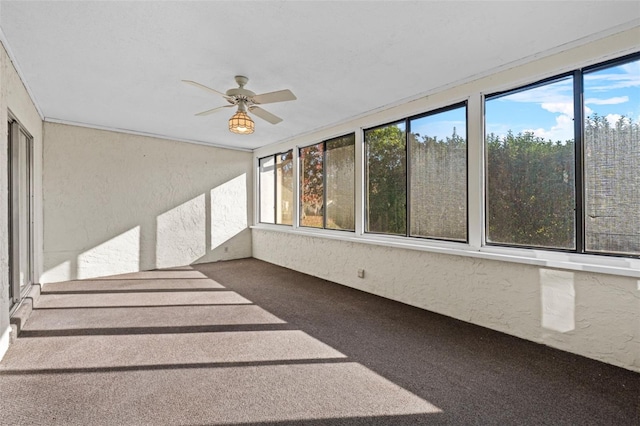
x=587, y=111
x=565, y=108
x=600, y=81
x=559, y=92
x=562, y=131
x=632, y=68
x=557, y=98
x=613, y=118
x=610, y=101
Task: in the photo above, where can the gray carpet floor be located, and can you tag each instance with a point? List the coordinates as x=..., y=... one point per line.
x=246, y=342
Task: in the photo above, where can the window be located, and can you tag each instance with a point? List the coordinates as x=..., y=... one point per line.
x=438, y=175
x=433, y=184
x=276, y=188
x=612, y=158
x=561, y=180
x=386, y=152
x=284, y=188
x=531, y=166
x=312, y=186
x=340, y=183
x=327, y=184
x=561, y=163
x=267, y=189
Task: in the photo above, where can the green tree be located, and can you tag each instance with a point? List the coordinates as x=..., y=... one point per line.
x=386, y=180
x=531, y=199
x=612, y=184
x=438, y=186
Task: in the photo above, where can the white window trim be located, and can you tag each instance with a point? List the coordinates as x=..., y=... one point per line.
x=612, y=265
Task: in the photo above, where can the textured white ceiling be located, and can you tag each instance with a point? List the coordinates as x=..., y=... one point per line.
x=119, y=64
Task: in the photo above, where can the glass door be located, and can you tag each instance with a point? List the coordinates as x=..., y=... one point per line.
x=20, y=211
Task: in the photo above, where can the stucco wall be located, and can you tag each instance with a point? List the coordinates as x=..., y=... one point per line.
x=15, y=98
x=4, y=216
x=117, y=203
x=594, y=315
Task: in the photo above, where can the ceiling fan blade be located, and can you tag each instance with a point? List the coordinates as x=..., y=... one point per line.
x=211, y=111
x=265, y=115
x=271, y=97
x=202, y=86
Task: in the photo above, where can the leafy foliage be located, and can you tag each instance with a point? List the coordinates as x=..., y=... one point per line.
x=531, y=198
x=284, y=183
x=612, y=169
x=312, y=185
x=328, y=175
x=340, y=183
x=438, y=186
x=386, y=180
x=530, y=191
x=531, y=188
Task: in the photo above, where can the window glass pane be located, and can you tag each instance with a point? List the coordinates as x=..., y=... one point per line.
x=284, y=188
x=438, y=202
x=612, y=159
x=24, y=193
x=340, y=178
x=267, y=191
x=386, y=179
x=530, y=167
x=311, y=186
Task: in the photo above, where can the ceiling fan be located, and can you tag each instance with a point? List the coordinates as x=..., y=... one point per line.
x=246, y=101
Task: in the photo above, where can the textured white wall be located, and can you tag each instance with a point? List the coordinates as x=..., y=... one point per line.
x=116, y=203
x=4, y=214
x=594, y=315
x=14, y=97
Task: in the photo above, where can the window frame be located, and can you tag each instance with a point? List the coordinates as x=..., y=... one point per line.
x=408, y=178
x=586, y=70
x=463, y=104
x=365, y=207
x=579, y=157
x=275, y=188
x=324, y=184
x=485, y=161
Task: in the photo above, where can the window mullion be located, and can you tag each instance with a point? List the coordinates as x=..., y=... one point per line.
x=476, y=165
x=578, y=120
x=407, y=169
x=296, y=187
x=275, y=189
x=360, y=182
x=324, y=185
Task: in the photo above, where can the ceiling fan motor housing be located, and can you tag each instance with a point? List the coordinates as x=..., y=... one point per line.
x=240, y=93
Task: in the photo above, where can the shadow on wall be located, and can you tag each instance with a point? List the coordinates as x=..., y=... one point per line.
x=209, y=227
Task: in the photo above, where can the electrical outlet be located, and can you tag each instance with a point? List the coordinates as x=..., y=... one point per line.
x=360, y=273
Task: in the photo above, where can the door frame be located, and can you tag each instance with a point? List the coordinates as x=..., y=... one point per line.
x=17, y=219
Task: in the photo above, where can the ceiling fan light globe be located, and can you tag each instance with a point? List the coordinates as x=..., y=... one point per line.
x=241, y=124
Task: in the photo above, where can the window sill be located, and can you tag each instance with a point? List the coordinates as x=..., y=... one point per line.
x=621, y=266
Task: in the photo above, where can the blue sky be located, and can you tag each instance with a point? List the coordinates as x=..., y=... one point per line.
x=547, y=111
x=441, y=124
